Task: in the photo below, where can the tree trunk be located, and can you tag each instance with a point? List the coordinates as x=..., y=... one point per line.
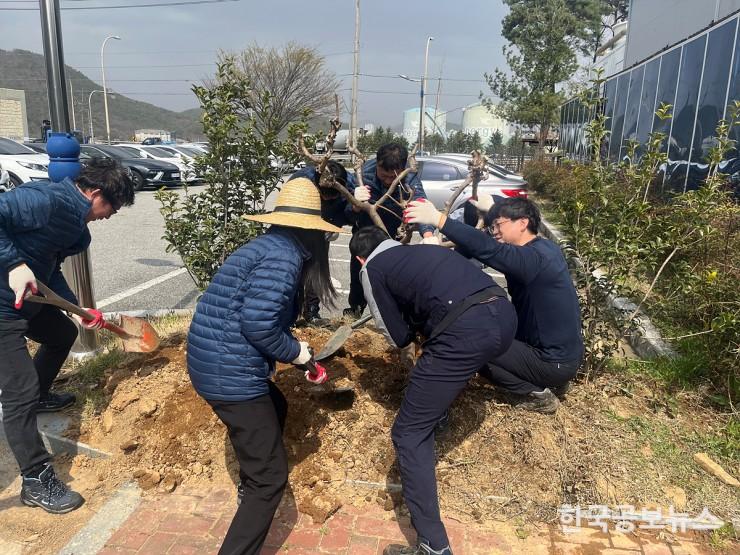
x=542, y=140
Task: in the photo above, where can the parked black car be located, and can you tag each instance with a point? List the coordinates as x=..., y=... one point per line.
x=145, y=172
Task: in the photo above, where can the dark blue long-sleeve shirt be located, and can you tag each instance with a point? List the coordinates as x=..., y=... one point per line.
x=540, y=287
x=391, y=219
x=410, y=288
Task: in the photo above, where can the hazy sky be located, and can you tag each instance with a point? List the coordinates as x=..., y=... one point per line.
x=164, y=49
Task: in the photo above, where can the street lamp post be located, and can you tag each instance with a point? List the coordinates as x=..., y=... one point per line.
x=89, y=111
x=423, y=83
x=105, y=89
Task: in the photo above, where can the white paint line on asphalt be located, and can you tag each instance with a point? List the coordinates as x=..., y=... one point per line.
x=139, y=288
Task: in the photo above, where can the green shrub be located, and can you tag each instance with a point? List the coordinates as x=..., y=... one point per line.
x=674, y=254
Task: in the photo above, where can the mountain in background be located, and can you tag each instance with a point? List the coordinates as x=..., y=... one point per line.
x=24, y=70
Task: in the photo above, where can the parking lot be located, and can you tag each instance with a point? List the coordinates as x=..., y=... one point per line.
x=133, y=271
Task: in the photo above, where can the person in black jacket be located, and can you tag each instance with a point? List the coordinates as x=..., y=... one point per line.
x=548, y=349
x=377, y=176
x=466, y=319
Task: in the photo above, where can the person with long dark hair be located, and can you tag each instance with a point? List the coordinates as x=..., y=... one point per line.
x=240, y=329
x=334, y=210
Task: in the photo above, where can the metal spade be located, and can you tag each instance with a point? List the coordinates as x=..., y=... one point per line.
x=137, y=334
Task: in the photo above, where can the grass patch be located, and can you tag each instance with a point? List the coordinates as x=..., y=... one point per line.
x=92, y=370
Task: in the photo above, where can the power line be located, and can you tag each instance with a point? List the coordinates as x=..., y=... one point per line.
x=123, y=6
x=390, y=76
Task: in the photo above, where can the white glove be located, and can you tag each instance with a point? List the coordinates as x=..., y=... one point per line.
x=304, y=356
x=422, y=212
x=484, y=202
x=431, y=240
x=21, y=279
x=362, y=193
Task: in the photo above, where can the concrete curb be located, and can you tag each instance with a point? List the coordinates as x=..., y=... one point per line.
x=160, y=313
x=106, y=521
x=57, y=444
x=645, y=339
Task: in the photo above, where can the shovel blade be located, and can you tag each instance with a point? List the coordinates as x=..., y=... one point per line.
x=335, y=342
x=141, y=336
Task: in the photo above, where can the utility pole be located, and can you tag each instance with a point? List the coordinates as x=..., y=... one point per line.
x=422, y=109
x=355, y=77
x=76, y=268
x=72, y=104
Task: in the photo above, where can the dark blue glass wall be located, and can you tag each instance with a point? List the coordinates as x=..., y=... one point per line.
x=700, y=78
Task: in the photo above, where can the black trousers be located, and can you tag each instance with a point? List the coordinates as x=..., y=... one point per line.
x=448, y=362
x=520, y=370
x=23, y=379
x=356, y=293
x=255, y=429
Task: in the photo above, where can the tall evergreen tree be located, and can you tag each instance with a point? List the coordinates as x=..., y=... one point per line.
x=544, y=39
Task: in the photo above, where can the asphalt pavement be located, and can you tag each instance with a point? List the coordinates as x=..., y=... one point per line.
x=133, y=271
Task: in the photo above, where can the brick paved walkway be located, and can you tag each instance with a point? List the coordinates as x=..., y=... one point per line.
x=194, y=523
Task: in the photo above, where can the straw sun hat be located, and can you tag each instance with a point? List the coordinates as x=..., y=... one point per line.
x=298, y=205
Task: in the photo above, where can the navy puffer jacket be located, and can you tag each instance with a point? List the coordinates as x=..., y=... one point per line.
x=41, y=223
x=242, y=322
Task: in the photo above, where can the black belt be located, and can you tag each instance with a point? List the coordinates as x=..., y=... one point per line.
x=481, y=297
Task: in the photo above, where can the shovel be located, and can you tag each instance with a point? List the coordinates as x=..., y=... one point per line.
x=137, y=334
x=340, y=336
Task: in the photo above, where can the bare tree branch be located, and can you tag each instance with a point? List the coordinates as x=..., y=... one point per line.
x=285, y=83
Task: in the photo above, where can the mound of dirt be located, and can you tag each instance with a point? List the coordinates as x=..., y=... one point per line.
x=493, y=461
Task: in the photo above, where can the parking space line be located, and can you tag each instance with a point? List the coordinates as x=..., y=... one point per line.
x=139, y=288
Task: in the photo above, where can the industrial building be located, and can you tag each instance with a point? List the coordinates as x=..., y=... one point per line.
x=679, y=52
x=436, y=122
x=478, y=118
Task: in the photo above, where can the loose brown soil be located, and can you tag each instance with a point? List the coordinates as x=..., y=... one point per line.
x=494, y=463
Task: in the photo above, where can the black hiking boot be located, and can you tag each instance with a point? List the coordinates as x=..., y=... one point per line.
x=561, y=390
x=541, y=401
x=443, y=424
x=52, y=402
x=315, y=320
x=240, y=493
x=43, y=489
x=421, y=549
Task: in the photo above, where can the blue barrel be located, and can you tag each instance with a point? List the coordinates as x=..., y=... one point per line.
x=64, y=156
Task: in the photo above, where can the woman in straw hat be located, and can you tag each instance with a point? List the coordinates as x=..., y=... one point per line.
x=241, y=327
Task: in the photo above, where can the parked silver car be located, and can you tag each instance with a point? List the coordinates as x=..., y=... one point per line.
x=441, y=176
x=496, y=169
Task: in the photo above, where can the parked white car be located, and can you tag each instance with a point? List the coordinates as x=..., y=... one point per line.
x=155, y=153
x=4, y=180
x=22, y=163
x=187, y=155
